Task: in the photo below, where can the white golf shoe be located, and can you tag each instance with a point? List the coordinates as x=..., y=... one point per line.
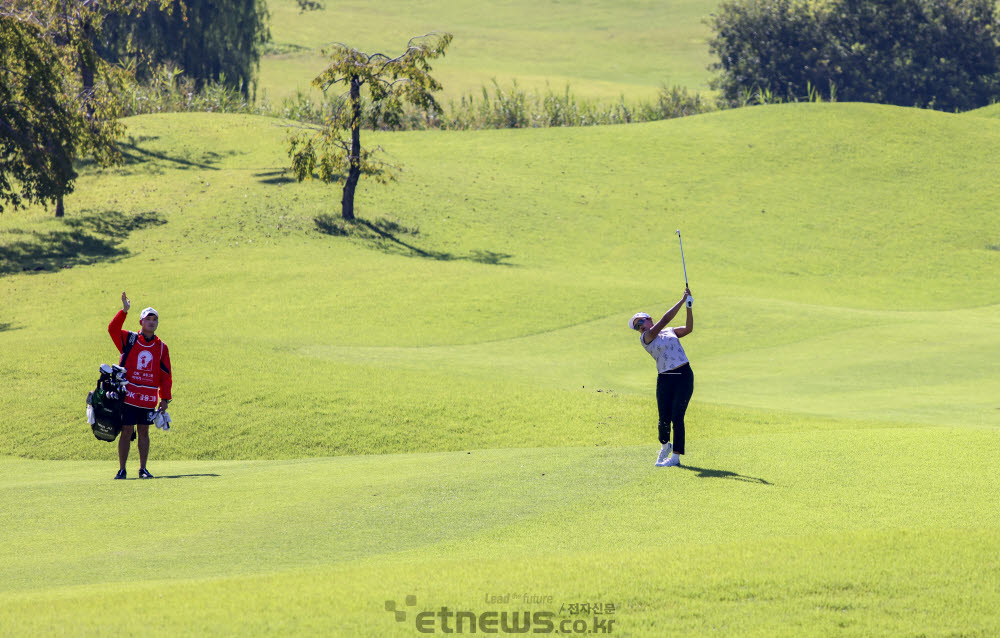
x=665, y=451
x=673, y=461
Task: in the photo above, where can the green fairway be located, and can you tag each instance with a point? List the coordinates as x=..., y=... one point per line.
x=601, y=49
x=868, y=532
x=458, y=410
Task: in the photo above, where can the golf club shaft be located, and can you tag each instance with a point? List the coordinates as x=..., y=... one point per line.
x=684, y=265
x=682, y=258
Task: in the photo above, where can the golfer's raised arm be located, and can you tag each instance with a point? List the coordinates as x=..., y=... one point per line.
x=664, y=320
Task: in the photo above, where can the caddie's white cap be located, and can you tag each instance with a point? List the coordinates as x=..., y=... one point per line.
x=148, y=311
x=631, y=322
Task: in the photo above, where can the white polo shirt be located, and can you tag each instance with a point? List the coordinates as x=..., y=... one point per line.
x=666, y=348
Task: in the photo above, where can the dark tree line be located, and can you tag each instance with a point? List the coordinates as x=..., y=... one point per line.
x=209, y=41
x=940, y=54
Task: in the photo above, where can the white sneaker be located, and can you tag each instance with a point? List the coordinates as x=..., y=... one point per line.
x=674, y=460
x=664, y=454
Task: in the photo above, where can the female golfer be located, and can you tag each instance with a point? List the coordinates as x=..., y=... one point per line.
x=674, y=381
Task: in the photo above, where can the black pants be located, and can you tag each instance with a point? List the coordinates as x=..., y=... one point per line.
x=673, y=391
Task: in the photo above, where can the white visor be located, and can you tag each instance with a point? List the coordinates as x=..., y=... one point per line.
x=631, y=322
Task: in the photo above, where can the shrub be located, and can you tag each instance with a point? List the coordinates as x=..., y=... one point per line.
x=942, y=54
x=512, y=107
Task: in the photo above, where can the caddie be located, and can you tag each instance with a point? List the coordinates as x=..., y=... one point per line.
x=147, y=366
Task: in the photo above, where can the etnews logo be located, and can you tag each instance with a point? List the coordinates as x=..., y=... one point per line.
x=451, y=621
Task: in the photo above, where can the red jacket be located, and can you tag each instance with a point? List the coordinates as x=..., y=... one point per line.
x=148, y=366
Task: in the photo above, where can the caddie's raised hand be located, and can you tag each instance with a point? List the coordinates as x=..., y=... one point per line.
x=126, y=304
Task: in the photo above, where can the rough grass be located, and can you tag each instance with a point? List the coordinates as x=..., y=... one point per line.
x=602, y=49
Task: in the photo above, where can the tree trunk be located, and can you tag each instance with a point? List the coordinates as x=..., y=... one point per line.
x=354, y=170
x=60, y=211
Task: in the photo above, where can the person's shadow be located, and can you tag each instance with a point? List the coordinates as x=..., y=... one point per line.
x=179, y=476
x=704, y=472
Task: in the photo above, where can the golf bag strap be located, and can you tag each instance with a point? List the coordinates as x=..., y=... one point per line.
x=132, y=337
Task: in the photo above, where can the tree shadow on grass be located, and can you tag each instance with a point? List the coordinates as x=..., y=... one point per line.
x=384, y=234
x=704, y=472
x=135, y=155
x=274, y=177
x=82, y=240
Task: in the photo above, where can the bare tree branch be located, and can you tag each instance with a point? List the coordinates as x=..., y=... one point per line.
x=302, y=126
x=418, y=37
x=394, y=83
x=388, y=61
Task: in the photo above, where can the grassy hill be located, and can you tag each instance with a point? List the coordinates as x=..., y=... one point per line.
x=601, y=49
x=993, y=110
x=460, y=411
x=837, y=273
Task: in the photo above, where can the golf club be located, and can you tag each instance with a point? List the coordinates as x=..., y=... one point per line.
x=690, y=299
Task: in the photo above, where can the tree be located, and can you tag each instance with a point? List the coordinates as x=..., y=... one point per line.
x=770, y=45
x=335, y=148
x=65, y=34
x=210, y=40
x=942, y=54
x=38, y=126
